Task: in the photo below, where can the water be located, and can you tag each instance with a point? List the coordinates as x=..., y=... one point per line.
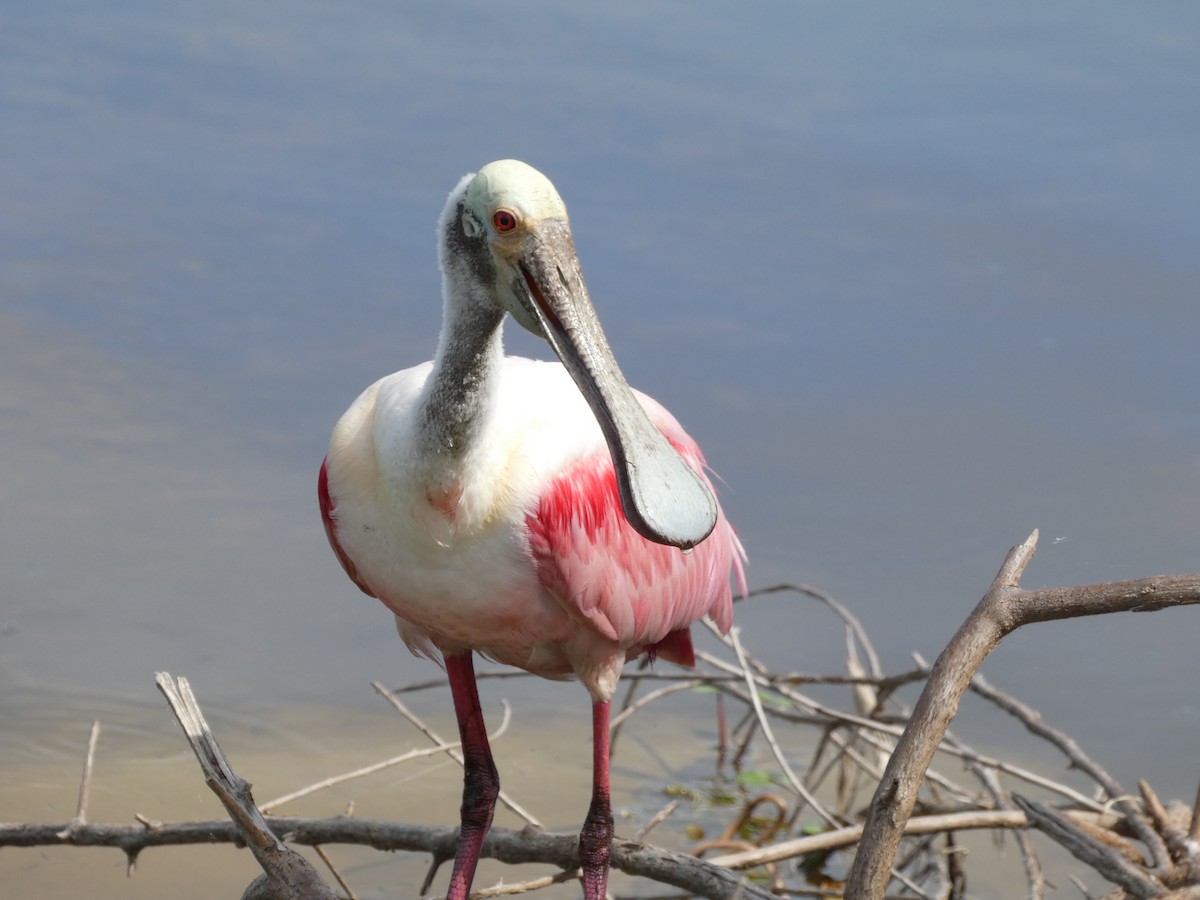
x=919, y=281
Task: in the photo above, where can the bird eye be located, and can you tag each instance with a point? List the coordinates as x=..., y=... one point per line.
x=504, y=220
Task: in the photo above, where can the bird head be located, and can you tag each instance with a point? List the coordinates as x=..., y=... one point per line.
x=506, y=240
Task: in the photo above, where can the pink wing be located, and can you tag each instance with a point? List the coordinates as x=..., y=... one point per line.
x=633, y=591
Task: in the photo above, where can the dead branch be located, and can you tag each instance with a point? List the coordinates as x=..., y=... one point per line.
x=1003, y=609
x=515, y=847
x=1104, y=859
x=545, y=847
x=291, y=876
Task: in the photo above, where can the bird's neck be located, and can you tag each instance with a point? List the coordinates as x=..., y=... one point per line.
x=458, y=393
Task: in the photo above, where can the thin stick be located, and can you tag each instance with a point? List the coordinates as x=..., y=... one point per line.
x=849, y=835
x=722, y=735
x=85, y=781
x=765, y=726
x=659, y=817
x=525, y=887
x=379, y=766
x=335, y=872
x=841, y=611
x=1033, y=721
x=447, y=747
x=270, y=806
x=1034, y=875
x=614, y=729
x=883, y=682
x=649, y=698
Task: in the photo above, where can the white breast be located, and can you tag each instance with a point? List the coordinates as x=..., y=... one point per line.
x=441, y=540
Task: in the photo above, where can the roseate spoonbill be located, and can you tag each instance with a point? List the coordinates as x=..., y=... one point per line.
x=535, y=513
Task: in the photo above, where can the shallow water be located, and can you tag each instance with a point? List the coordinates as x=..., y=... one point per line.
x=918, y=282
x=143, y=766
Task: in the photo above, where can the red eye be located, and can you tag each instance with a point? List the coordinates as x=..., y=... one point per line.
x=504, y=220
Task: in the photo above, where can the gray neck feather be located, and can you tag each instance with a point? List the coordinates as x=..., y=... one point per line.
x=469, y=349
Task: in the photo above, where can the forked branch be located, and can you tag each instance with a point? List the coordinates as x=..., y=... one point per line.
x=1003, y=609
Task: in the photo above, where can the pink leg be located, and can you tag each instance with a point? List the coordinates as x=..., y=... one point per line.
x=595, y=841
x=481, y=784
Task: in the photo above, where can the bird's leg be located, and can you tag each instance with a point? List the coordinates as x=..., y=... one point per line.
x=481, y=783
x=595, y=841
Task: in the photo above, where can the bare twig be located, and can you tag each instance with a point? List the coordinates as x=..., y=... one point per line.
x=524, y=887
x=659, y=817
x=649, y=698
x=848, y=836
x=85, y=780
x=1033, y=721
x=271, y=805
x=756, y=701
x=448, y=747
x=335, y=872
x=1034, y=875
x=842, y=612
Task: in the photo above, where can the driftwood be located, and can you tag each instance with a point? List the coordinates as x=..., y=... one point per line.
x=1145, y=848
